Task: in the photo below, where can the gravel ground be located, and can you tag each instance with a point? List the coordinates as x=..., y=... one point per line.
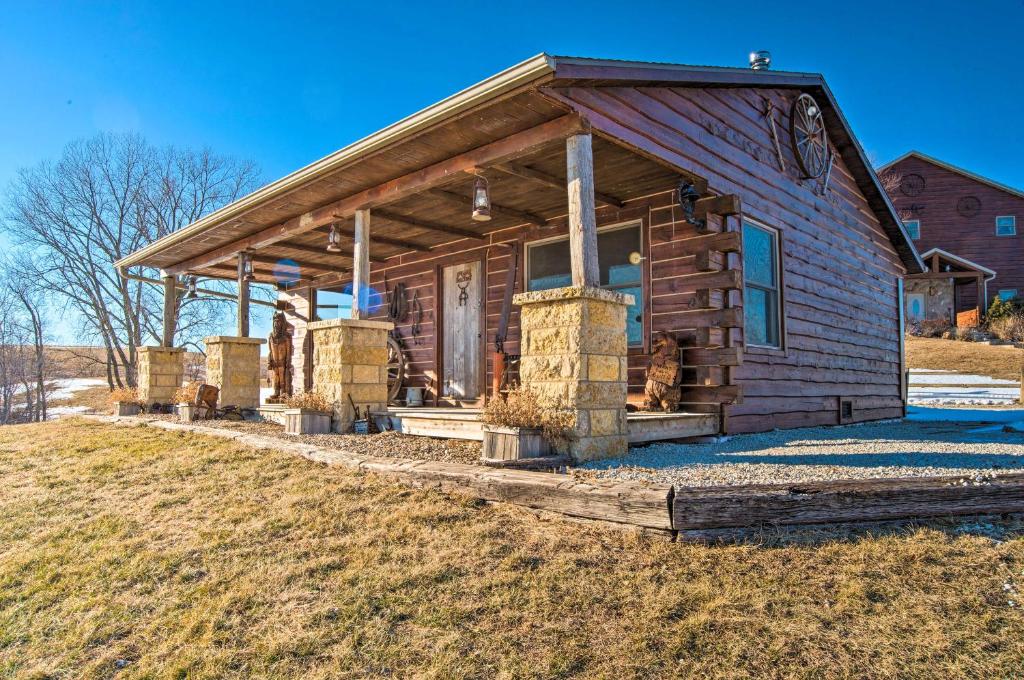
x=385, y=444
x=870, y=450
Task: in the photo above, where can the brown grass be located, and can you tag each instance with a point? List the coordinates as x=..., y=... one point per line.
x=965, y=357
x=96, y=398
x=174, y=555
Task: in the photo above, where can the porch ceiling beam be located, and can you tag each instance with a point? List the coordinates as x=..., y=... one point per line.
x=313, y=250
x=522, y=215
x=539, y=177
x=432, y=226
x=349, y=233
x=264, y=259
x=442, y=172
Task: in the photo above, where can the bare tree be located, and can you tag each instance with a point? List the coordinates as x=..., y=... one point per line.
x=103, y=199
x=24, y=369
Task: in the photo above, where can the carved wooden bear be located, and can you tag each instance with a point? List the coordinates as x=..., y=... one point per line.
x=663, y=374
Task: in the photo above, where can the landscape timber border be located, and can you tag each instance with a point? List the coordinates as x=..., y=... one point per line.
x=694, y=513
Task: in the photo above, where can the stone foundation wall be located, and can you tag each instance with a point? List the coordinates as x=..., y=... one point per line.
x=938, y=296
x=350, y=360
x=233, y=366
x=160, y=371
x=573, y=355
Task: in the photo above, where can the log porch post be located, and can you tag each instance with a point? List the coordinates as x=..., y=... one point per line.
x=243, y=299
x=361, y=266
x=582, y=219
x=170, y=310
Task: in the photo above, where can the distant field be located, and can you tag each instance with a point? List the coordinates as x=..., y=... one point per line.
x=137, y=553
x=965, y=357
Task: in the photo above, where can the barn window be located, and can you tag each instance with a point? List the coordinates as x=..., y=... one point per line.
x=913, y=228
x=1007, y=294
x=761, y=291
x=1006, y=225
x=547, y=266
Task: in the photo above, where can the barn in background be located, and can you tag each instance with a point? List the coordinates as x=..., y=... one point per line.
x=732, y=209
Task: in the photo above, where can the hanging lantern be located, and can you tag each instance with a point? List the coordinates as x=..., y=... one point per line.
x=190, y=286
x=247, y=273
x=333, y=246
x=481, y=200
x=688, y=196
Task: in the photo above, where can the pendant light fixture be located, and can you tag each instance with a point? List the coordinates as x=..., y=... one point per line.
x=247, y=273
x=481, y=199
x=190, y=286
x=332, y=241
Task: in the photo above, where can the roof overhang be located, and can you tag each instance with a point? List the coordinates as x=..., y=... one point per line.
x=962, y=261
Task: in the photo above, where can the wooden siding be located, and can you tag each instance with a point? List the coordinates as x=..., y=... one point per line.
x=840, y=269
x=973, y=238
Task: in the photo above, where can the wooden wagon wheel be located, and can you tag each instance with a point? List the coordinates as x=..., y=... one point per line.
x=807, y=131
x=396, y=368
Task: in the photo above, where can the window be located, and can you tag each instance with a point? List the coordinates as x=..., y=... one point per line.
x=547, y=266
x=761, y=299
x=1007, y=294
x=334, y=303
x=913, y=228
x=1006, y=225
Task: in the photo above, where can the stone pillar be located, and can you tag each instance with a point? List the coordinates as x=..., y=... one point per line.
x=573, y=354
x=160, y=370
x=350, y=359
x=233, y=366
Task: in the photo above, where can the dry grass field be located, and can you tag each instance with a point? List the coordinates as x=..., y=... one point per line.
x=141, y=553
x=965, y=357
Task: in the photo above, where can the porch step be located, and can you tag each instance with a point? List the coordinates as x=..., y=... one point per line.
x=464, y=423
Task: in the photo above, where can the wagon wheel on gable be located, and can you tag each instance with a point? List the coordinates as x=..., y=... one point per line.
x=396, y=368
x=807, y=132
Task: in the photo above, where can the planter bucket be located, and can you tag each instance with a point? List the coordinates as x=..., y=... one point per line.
x=306, y=421
x=514, y=443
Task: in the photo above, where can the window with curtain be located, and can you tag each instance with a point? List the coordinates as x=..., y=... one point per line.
x=762, y=301
x=547, y=266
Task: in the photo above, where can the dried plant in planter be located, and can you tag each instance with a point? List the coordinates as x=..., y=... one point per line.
x=124, y=395
x=521, y=408
x=186, y=394
x=313, y=401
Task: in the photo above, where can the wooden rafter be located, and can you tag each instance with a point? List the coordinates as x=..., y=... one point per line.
x=265, y=259
x=313, y=250
x=508, y=148
x=539, y=177
x=349, y=233
x=432, y=226
x=522, y=215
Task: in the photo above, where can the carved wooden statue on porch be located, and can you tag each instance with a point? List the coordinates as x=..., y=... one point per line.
x=279, y=364
x=663, y=374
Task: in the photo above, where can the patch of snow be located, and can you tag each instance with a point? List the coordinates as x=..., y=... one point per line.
x=63, y=411
x=66, y=387
x=936, y=378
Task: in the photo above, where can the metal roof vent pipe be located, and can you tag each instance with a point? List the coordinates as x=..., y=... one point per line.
x=761, y=60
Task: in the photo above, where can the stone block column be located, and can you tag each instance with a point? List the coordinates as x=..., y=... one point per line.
x=573, y=355
x=350, y=358
x=160, y=370
x=233, y=366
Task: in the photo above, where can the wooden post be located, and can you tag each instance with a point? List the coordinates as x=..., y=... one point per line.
x=170, y=310
x=582, y=220
x=361, y=266
x=243, y=299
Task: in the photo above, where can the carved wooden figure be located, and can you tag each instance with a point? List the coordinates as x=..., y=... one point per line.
x=279, y=364
x=663, y=374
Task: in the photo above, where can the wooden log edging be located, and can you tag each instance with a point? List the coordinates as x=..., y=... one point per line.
x=647, y=506
x=846, y=501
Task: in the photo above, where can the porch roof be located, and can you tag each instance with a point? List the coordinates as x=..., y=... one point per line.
x=504, y=127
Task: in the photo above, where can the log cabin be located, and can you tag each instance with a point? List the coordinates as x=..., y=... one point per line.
x=965, y=226
x=549, y=221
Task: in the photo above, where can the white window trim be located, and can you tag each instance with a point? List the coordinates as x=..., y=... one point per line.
x=628, y=224
x=1012, y=225
x=778, y=286
x=907, y=223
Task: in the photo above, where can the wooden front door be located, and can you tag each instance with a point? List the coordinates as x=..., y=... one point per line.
x=462, y=332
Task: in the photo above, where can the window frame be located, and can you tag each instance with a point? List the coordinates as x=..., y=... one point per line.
x=779, y=289
x=999, y=294
x=637, y=223
x=907, y=223
x=1012, y=225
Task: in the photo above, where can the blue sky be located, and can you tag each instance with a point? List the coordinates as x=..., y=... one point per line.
x=285, y=83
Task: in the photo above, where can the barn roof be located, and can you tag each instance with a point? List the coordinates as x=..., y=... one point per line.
x=502, y=105
x=953, y=168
